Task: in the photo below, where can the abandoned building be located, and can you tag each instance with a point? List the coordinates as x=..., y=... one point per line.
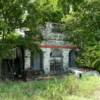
x=56, y=54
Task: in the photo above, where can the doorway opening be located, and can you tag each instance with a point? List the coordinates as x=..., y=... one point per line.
x=72, y=58
x=56, y=61
x=37, y=61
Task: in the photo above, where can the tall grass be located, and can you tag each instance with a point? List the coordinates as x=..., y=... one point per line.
x=68, y=88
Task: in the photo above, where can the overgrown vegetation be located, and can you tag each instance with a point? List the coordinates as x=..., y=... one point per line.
x=83, y=29
x=79, y=17
x=68, y=88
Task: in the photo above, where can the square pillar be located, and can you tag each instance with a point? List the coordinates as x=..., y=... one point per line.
x=27, y=59
x=46, y=60
x=65, y=59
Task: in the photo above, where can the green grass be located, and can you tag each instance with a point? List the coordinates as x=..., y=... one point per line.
x=68, y=88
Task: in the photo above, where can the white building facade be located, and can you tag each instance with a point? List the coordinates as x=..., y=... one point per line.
x=54, y=55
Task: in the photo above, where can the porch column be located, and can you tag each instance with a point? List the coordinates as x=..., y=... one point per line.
x=27, y=59
x=46, y=60
x=65, y=59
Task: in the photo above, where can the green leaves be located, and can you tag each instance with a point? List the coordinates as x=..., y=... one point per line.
x=18, y=14
x=90, y=57
x=83, y=30
x=49, y=10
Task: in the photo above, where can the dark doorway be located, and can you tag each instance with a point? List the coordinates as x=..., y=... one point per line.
x=56, y=61
x=72, y=58
x=13, y=67
x=37, y=61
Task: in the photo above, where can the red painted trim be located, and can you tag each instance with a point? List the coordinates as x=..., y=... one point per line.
x=56, y=39
x=53, y=46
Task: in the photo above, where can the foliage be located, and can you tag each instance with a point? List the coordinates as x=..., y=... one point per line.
x=81, y=19
x=52, y=89
x=83, y=29
x=17, y=15
x=49, y=10
x=90, y=57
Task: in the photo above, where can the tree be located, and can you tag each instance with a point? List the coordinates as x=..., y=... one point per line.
x=83, y=30
x=16, y=14
x=50, y=10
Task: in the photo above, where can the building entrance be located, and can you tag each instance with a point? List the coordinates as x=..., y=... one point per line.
x=56, y=61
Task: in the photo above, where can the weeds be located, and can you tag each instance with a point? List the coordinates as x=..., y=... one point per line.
x=56, y=89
